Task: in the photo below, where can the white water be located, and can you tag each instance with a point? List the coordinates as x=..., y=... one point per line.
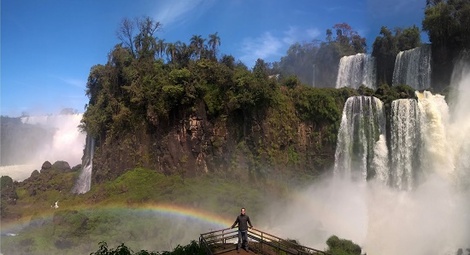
x=83, y=183
x=356, y=70
x=67, y=144
x=410, y=215
x=436, y=153
x=405, y=142
x=413, y=68
x=362, y=124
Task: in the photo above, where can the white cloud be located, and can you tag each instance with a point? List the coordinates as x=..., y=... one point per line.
x=268, y=46
x=295, y=34
x=171, y=12
x=262, y=47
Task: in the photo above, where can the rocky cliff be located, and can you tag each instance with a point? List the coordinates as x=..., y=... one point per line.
x=274, y=142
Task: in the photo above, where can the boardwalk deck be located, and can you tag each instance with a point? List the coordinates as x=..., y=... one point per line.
x=224, y=242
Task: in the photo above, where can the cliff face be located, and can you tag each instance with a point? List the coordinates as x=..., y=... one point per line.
x=266, y=144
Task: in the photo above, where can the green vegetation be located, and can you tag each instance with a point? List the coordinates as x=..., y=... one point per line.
x=386, y=47
x=321, y=58
x=447, y=23
x=135, y=209
x=191, y=248
x=337, y=246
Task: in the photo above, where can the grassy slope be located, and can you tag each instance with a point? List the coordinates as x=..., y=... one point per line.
x=108, y=212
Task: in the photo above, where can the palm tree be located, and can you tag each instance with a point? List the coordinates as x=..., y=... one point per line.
x=197, y=45
x=170, y=51
x=161, y=47
x=214, y=41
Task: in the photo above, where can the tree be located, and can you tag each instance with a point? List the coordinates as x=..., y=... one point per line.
x=125, y=33
x=145, y=42
x=407, y=38
x=326, y=65
x=349, y=42
x=299, y=61
x=161, y=47
x=171, y=52
x=385, y=50
x=329, y=35
x=197, y=46
x=447, y=23
x=214, y=42
x=338, y=246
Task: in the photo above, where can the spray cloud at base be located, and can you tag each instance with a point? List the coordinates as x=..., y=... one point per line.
x=417, y=204
x=431, y=219
x=30, y=141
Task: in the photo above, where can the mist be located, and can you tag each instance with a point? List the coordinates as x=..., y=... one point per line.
x=431, y=218
x=38, y=139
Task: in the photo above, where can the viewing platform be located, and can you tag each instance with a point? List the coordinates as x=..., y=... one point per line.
x=224, y=241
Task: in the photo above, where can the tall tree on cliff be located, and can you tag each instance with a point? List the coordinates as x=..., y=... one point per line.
x=299, y=61
x=214, y=42
x=386, y=47
x=447, y=23
x=346, y=42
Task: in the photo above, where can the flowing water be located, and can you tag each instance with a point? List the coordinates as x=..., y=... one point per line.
x=418, y=201
x=356, y=70
x=413, y=68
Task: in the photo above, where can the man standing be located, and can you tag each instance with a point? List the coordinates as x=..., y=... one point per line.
x=243, y=221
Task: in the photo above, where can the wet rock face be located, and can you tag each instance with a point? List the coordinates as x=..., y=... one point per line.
x=237, y=145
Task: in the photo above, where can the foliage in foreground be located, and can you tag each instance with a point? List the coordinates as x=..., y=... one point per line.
x=192, y=248
x=338, y=246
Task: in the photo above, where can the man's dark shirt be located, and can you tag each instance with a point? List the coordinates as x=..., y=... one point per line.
x=243, y=221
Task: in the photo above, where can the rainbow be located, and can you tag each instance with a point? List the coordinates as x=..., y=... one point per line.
x=170, y=210
x=174, y=210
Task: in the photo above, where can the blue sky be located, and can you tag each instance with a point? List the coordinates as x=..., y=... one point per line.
x=49, y=46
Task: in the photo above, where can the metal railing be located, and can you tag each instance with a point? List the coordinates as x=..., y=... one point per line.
x=264, y=242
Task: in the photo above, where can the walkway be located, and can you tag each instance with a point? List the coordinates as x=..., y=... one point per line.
x=224, y=242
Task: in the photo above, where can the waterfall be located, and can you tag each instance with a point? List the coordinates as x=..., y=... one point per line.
x=83, y=183
x=313, y=75
x=405, y=142
x=29, y=141
x=422, y=141
x=423, y=206
x=67, y=141
x=460, y=119
x=413, y=68
x=362, y=129
x=436, y=152
x=356, y=70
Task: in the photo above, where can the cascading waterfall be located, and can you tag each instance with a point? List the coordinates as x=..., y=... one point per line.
x=418, y=201
x=422, y=206
x=460, y=119
x=362, y=128
x=413, y=68
x=356, y=70
x=405, y=143
x=436, y=156
x=418, y=140
x=83, y=183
